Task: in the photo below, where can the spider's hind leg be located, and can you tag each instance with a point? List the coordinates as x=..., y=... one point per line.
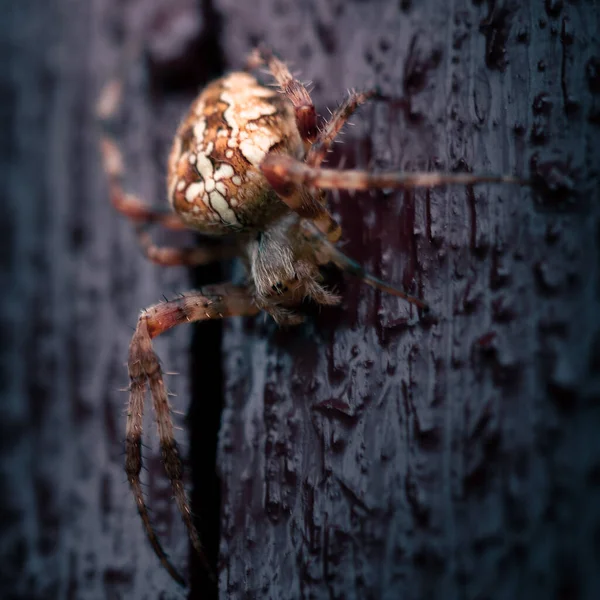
x=128, y=204
x=107, y=108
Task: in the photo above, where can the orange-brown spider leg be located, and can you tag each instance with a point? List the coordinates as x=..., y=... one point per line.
x=293, y=180
x=107, y=107
x=214, y=302
x=306, y=115
x=332, y=128
x=128, y=204
x=166, y=256
x=290, y=171
x=299, y=198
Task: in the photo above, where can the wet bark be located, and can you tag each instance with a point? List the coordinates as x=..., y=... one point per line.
x=371, y=452
x=73, y=282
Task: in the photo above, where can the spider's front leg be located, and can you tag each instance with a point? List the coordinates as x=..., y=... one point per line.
x=213, y=302
x=334, y=125
x=294, y=180
x=286, y=170
x=306, y=115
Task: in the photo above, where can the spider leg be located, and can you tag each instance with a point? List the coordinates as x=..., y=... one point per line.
x=128, y=204
x=107, y=107
x=298, y=197
x=214, y=302
x=254, y=60
x=306, y=115
x=133, y=462
x=330, y=131
x=327, y=252
x=192, y=256
x=288, y=171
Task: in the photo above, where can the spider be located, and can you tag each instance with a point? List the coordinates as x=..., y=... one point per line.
x=245, y=163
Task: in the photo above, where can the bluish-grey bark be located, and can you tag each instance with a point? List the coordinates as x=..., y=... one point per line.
x=368, y=453
x=373, y=454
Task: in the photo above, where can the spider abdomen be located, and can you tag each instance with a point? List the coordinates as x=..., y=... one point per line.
x=214, y=180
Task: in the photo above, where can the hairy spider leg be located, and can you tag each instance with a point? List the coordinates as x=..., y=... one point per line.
x=193, y=256
x=298, y=198
x=293, y=179
x=212, y=302
x=311, y=204
x=294, y=172
x=306, y=115
x=130, y=205
x=108, y=106
x=333, y=126
x=143, y=363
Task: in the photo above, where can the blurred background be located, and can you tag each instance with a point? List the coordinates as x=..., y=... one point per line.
x=369, y=453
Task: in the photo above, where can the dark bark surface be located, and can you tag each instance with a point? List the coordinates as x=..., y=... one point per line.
x=73, y=284
x=368, y=453
x=373, y=454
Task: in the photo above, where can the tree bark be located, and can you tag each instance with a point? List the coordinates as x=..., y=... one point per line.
x=74, y=282
x=371, y=452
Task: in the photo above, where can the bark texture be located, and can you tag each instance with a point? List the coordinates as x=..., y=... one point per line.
x=73, y=283
x=369, y=453
x=373, y=454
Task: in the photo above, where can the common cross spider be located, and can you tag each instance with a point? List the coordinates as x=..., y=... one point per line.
x=246, y=160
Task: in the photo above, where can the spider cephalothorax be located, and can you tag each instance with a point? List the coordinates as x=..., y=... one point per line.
x=245, y=164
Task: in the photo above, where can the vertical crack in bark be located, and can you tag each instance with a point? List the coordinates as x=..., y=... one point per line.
x=206, y=403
